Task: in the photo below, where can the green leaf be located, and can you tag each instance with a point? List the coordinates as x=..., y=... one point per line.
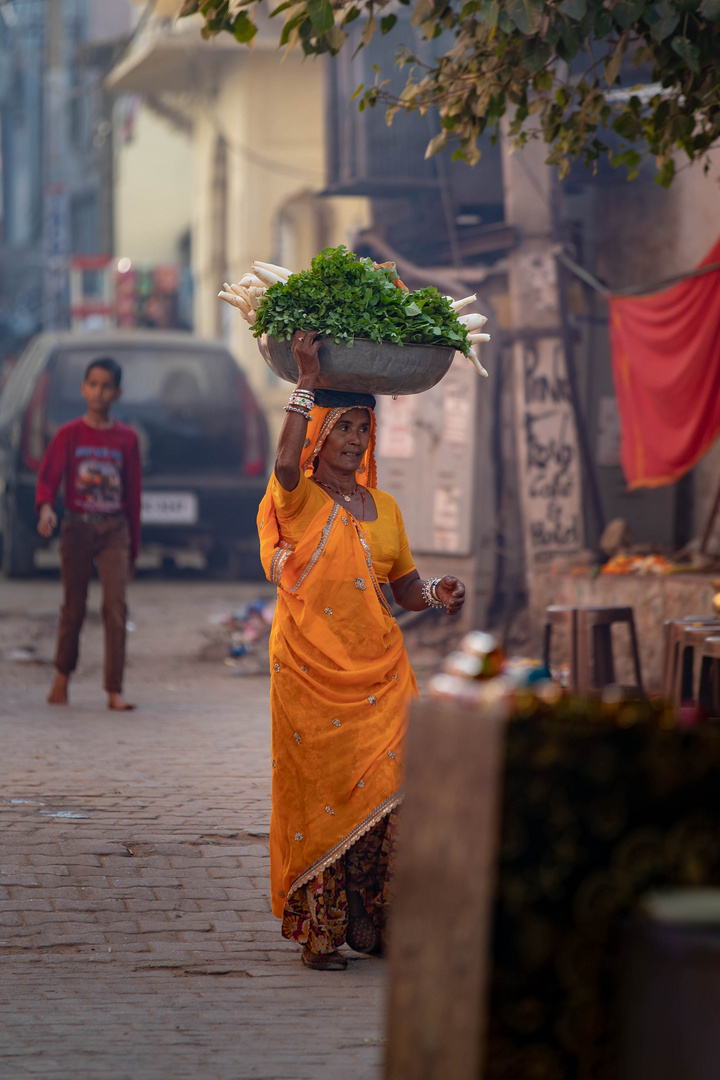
x=505, y=22
x=571, y=39
x=336, y=38
x=543, y=81
x=489, y=12
x=627, y=12
x=574, y=9
x=291, y=25
x=613, y=65
x=603, y=23
x=644, y=54
x=687, y=51
x=662, y=19
x=282, y=7
x=243, y=29
x=387, y=22
x=369, y=31
x=631, y=158
x=321, y=15
x=666, y=173
x=526, y=14
x=710, y=9
x=536, y=53
x=422, y=11
x=436, y=144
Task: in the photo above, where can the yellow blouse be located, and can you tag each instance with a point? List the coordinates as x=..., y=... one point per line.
x=386, y=536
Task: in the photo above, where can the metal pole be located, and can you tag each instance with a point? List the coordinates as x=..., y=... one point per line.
x=56, y=224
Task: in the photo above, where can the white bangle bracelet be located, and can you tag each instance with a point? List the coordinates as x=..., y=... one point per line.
x=429, y=592
x=302, y=412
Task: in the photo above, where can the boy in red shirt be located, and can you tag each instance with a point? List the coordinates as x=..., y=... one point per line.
x=99, y=461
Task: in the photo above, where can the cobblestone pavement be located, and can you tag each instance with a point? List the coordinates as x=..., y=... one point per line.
x=136, y=938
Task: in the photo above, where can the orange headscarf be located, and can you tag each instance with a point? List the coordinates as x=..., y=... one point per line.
x=322, y=421
x=341, y=681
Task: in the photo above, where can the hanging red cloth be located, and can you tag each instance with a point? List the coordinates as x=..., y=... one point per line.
x=666, y=366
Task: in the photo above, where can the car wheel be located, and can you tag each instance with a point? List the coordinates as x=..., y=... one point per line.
x=18, y=543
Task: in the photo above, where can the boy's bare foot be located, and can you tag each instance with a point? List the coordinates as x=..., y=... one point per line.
x=58, y=691
x=117, y=701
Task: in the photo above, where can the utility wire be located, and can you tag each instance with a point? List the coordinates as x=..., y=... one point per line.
x=632, y=290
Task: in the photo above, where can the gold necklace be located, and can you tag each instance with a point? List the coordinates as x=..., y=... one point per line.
x=337, y=491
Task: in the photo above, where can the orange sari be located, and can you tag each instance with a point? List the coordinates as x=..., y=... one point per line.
x=340, y=684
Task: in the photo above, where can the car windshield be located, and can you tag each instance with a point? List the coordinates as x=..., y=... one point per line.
x=184, y=404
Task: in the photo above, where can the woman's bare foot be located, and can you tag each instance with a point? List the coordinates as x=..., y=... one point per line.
x=58, y=691
x=117, y=701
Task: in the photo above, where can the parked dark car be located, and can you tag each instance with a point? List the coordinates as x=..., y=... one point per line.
x=203, y=440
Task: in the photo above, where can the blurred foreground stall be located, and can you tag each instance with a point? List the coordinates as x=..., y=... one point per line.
x=528, y=841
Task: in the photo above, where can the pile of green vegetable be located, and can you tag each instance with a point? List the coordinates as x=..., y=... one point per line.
x=344, y=297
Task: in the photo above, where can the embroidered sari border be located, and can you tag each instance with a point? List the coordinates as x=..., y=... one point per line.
x=378, y=591
x=338, y=850
x=327, y=528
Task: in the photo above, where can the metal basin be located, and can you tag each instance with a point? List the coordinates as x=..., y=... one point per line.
x=366, y=367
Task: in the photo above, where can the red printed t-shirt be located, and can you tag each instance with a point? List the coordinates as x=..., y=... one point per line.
x=100, y=469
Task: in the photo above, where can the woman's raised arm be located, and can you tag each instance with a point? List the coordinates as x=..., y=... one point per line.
x=305, y=348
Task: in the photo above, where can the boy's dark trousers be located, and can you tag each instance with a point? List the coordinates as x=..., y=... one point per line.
x=85, y=539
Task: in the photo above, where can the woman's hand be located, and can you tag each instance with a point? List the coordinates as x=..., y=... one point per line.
x=305, y=348
x=451, y=592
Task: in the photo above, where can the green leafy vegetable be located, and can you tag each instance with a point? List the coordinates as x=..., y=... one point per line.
x=344, y=297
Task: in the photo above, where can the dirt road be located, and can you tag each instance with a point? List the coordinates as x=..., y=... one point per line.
x=136, y=938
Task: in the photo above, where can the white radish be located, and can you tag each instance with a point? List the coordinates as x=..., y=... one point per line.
x=281, y=271
x=267, y=277
x=473, y=358
x=239, y=292
x=243, y=294
x=458, y=305
x=475, y=338
x=249, y=280
x=231, y=298
x=473, y=321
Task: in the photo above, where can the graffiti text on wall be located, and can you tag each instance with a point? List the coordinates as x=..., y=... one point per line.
x=548, y=458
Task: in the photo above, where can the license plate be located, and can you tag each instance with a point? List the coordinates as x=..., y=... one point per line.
x=169, y=508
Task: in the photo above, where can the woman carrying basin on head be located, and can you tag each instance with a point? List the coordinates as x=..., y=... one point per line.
x=340, y=676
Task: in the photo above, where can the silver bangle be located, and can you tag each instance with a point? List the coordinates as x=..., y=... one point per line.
x=429, y=592
x=301, y=412
x=301, y=397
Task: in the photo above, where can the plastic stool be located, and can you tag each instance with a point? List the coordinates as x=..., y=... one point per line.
x=594, y=646
x=562, y=615
x=672, y=630
x=709, y=693
x=690, y=647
